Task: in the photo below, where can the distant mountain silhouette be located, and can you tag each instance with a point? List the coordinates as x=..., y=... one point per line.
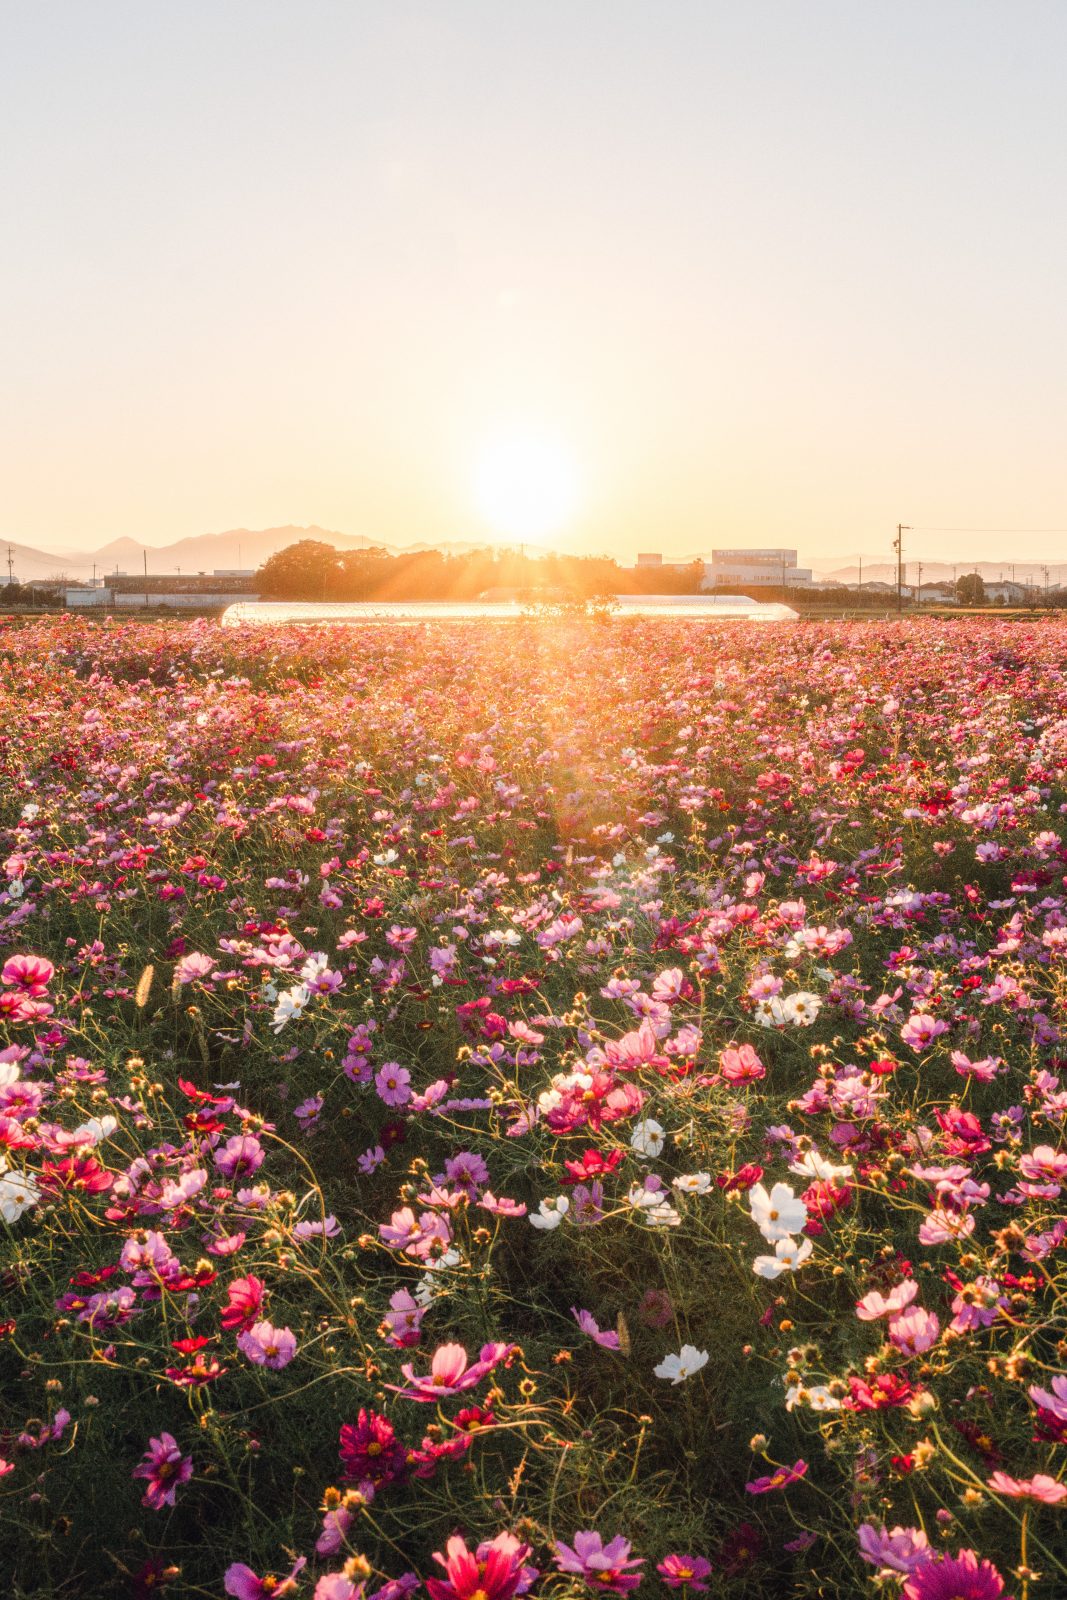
x=205, y=552
x=250, y=547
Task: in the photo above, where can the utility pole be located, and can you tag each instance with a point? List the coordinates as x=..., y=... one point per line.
x=1045, y=570
x=920, y=585
x=898, y=546
x=859, y=584
x=10, y=565
x=146, y=577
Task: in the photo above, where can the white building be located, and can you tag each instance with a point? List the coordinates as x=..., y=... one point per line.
x=775, y=568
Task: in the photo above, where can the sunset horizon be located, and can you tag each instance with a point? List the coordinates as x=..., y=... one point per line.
x=754, y=275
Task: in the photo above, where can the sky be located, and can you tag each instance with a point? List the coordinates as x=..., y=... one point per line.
x=771, y=273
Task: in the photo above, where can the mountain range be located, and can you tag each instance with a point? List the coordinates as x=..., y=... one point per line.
x=250, y=548
x=237, y=548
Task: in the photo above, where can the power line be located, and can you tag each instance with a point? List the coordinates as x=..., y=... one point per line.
x=924, y=529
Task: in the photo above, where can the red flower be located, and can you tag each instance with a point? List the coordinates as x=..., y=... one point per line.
x=244, y=1300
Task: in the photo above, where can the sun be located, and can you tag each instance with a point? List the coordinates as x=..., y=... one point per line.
x=525, y=485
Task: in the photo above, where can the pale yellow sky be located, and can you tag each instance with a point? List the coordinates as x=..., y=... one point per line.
x=768, y=274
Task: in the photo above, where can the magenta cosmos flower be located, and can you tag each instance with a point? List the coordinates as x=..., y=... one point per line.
x=370, y=1450
x=962, y=1577
x=239, y=1156
x=243, y=1584
x=267, y=1345
x=684, y=1572
x=494, y=1572
x=393, y=1084
x=779, y=1479
x=607, y=1567
x=606, y=1337
x=30, y=974
x=166, y=1470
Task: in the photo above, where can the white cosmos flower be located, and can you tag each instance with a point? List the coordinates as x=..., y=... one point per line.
x=10, y=1072
x=18, y=1192
x=693, y=1183
x=95, y=1129
x=551, y=1212
x=813, y=1165
x=801, y=1008
x=647, y=1138
x=787, y=1257
x=683, y=1365
x=817, y=1397
x=770, y=1013
x=778, y=1214
x=291, y=1003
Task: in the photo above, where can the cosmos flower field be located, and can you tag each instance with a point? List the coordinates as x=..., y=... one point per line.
x=552, y=1109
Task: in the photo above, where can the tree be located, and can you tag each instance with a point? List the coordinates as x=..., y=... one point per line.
x=970, y=589
x=304, y=571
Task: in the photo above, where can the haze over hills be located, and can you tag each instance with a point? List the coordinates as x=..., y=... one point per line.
x=250, y=548
x=206, y=552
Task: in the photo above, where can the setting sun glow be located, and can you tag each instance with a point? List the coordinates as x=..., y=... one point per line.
x=525, y=485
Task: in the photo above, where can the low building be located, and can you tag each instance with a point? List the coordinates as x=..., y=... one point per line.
x=130, y=596
x=772, y=568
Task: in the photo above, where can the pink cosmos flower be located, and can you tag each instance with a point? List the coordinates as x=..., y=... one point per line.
x=194, y=966
x=875, y=1305
x=1040, y=1487
x=962, y=1577
x=166, y=1469
x=393, y=1083
x=30, y=974
x=1055, y=1401
x=239, y=1156
x=741, y=1064
x=779, y=1479
x=370, y=1451
x=494, y=1572
x=243, y=1584
x=335, y=1586
x=244, y=1298
x=403, y=1321
x=606, y=1337
x=268, y=1346
x=914, y=1331
x=921, y=1030
x=684, y=1572
x=899, y=1550
x=335, y=1526
x=605, y=1567
x=449, y=1372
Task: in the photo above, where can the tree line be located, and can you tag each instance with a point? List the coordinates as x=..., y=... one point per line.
x=313, y=570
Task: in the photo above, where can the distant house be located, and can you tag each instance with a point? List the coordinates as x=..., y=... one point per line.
x=1008, y=593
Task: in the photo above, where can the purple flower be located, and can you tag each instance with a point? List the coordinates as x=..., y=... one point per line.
x=239, y=1156
x=602, y=1336
x=166, y=1470
x=963, y=1577
x=371, y=1159
x=779, y=1479
x=268, y=1346
x=899, y=1550
x=606, y=1567
x=393, y=1083
x=194, y=966
x=684, y=1572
